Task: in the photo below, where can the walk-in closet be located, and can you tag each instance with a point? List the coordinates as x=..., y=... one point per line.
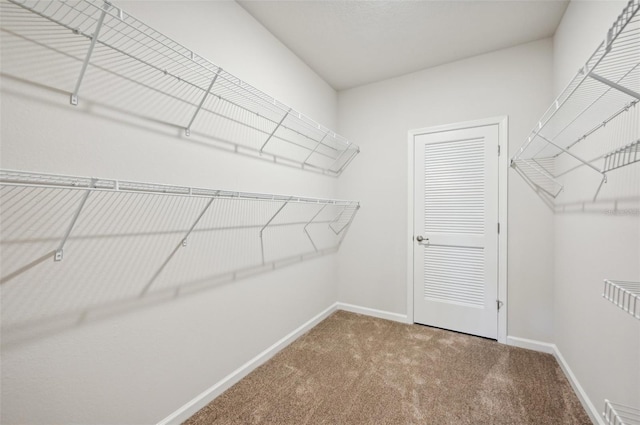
x=319, y=212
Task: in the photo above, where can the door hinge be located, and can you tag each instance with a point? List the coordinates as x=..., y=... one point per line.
x=498, y=228
x=498, y=150
x=499, y=304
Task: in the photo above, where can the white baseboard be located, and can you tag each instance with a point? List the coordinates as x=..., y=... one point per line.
x=531, y=344
x=592, y=411
x=549, y=348
x=396, y=317
x=201, y=400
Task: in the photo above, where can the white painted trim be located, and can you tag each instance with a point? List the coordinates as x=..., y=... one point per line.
x=503, y=214
x=202, y=399
x=549, y=348
x=592, y=411
x=397, y=317
x=531, y=344
x=503, y=173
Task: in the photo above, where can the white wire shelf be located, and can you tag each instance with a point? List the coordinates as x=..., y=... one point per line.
x=618, y=414
x=321, y=224
x=606, y=89
x=622, y=157
x=101, y=41
x=624, y=294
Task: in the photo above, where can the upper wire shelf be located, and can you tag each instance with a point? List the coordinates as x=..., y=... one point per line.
x=618, y=414
x=606, y=88
x=625, y=295
x=100, y=38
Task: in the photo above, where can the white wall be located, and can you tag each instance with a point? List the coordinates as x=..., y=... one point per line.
x=372, y=264
x=596, y=239
x=140, y=359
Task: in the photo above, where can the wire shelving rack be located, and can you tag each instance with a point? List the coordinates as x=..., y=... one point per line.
x=321, y=224
x=624, y=294
x=100, y=38
x=606, y=89
x=617, y=414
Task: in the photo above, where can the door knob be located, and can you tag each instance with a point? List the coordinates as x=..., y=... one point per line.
x=419, y=238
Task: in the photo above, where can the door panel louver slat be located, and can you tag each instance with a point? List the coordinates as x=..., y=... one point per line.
x=454, y=172
x=454, y=274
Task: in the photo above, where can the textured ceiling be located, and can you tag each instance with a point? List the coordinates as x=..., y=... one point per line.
x=350, y=43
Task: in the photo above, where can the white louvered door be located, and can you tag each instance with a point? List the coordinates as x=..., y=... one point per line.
x=456, y=214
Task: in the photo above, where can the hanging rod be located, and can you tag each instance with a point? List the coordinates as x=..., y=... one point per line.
x=89, y=186
x=30, y=179
x=126, y=47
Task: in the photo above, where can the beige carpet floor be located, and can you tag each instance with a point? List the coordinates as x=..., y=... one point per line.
x=354, y=369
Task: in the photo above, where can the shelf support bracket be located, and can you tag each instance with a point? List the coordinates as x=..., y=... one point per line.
x=614, y=85
x=335, y=220
x=338, y=158
x=175, y=250
x=59, y=253
x=187, y=130
x=348, y=161
x=274, y=130
x=311, y=221
x=265, y=226
x=195, y=223
x=314, y=149
x=94, y=38
x=346, y=226
x=571, y=154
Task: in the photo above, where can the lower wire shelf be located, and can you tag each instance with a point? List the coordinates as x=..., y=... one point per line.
x=67, y=211
x=618, y=414
x=624, y=294
x=75, y=249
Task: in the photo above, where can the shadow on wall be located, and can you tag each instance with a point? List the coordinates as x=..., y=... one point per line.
x=147, y=80
x=128, y=250
x=125, y=251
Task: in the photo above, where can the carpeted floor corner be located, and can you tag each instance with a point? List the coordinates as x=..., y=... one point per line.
x=355, y=369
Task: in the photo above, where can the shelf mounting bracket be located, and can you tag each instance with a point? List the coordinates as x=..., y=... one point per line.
x=183, y=244
x=187, y=130
x=346, y=226
x=311, y=221
x=274, y=130
x=614, y=85
x=94, y=38
x=268, y=223
x=195, y=223
x=571, y=154
x=59, y=253
x=314, y=149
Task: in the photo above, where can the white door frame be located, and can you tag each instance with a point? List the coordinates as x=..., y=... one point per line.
x=503, y=172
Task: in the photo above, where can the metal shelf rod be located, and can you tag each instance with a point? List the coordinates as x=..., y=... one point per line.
x=59, y=253
x=94, y=38
x=48, y=181
x=309, y=222
x=576, y=157
x=265, y=226
x=614, y=85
